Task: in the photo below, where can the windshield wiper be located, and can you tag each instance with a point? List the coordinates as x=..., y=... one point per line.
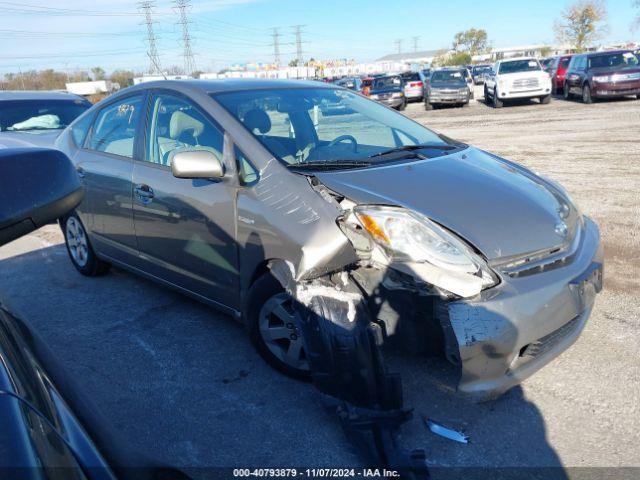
x=411, y=148
x=329, y=164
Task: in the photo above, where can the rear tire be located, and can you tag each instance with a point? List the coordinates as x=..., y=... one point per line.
x=79, y=247
x=565, y=92
x=586, y=94
x=273, y=330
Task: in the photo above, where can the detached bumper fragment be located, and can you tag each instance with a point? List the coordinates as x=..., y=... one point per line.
x=346, y=363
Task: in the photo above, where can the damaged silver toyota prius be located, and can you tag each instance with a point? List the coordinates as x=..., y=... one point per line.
x=333, y=226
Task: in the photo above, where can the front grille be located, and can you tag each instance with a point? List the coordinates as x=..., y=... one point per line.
x=546, y=343
x=526, y=83
x=625, y=77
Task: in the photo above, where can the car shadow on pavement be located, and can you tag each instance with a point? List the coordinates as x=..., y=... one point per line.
x=182, y=384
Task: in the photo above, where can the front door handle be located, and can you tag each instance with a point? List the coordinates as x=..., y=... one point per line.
x=144, y=192
x=81, y=172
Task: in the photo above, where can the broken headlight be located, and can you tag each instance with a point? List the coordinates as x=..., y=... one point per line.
x=407, y=236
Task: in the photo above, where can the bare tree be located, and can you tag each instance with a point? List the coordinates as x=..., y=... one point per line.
x=582, y=23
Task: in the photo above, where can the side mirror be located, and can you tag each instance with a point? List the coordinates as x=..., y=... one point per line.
x=196, y=164
x=37, y=186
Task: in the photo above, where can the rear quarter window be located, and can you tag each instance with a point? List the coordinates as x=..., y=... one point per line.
x=80, y=129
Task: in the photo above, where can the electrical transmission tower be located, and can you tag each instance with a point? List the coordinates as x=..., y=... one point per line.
x=276, y=46
x=415, y=44
x=398, y=44
x=181, y=6
x=297, y=29
x=154, y=59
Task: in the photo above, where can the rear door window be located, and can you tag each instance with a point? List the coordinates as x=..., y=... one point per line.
x=114, y=130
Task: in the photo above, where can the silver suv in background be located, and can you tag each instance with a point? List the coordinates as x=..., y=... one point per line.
x=414, y=85
x=447, y=86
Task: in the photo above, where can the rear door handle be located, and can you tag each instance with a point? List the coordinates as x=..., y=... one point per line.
x=144, y=192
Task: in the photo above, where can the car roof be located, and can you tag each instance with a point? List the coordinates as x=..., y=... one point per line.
x=37, y=95
x=607, y=52
x=229, y=84
x=516, y=59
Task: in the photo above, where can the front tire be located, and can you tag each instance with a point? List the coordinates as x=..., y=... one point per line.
x=586, y=94
x=273, y=328
x=497, y=103
x=79, y=247
x=545, y=100
x=402, y=106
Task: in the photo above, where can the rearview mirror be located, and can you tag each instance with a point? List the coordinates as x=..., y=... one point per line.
x=37, y=186
x=196, y=164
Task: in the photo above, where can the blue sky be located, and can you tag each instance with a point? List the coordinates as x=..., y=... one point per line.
x=79, y=34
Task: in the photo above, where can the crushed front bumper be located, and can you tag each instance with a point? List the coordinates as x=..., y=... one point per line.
x=516, y=328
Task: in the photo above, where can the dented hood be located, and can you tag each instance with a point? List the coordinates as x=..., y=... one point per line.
x=499, y=207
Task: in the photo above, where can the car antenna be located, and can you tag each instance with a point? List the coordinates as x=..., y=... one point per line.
x=157, y=67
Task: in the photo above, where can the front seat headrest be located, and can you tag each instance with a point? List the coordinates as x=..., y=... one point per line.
x=257, y=119
x=181, y=123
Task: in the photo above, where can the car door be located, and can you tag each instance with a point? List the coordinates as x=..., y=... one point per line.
x=185, y=228
x=106, y=166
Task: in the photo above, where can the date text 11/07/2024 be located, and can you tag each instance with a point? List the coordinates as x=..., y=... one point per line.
x=316, y=473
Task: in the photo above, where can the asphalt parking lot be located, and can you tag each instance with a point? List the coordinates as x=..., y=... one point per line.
x=181, y=383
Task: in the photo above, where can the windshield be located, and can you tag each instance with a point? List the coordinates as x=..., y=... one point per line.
x=448, y=77
x=316, y=125
x=23, y=115
x=519, y=66
x=350, y=83
x=386, y=82
x=624, y=59
x=483, y=69
x=411, y=77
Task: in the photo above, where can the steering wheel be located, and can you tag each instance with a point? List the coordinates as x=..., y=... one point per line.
x=342, y=138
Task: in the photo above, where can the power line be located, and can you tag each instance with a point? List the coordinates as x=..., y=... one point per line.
x=30, y=9
x=72, y=54
x=152, y=53
x=189, y=61
x=276, y=46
